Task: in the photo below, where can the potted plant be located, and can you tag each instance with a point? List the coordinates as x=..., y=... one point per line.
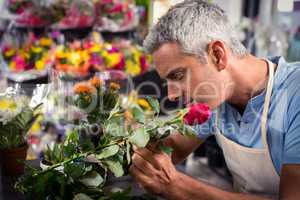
x=16, y=118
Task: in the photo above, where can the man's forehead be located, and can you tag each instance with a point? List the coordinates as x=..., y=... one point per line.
x=167, y=57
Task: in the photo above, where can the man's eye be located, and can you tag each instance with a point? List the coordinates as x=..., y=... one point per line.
x=178, y=76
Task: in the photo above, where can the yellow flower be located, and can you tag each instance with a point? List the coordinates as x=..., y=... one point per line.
x=74, y=58
x=36, y=50
x=113, y=59
x=10, y=53
x=95, y=48
x=40, y=65
x=144, y=104
x=45, y=42
x=132, y=68
x=6, y=104
x=36, y=127
x=84, y=56
x=12, y=65
x=24, y=54
x=136, y=55
x=104, y=54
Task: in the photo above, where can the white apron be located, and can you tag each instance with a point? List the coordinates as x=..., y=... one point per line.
x=252, y=169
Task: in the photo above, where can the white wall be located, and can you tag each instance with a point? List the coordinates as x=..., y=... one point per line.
x=233, y=8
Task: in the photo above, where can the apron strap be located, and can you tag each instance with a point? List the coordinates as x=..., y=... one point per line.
x=264, y=117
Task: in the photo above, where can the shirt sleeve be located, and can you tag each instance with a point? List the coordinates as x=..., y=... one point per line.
x=206, y=129
x=291, y=150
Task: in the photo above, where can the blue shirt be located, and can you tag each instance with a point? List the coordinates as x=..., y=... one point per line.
x=283, y=125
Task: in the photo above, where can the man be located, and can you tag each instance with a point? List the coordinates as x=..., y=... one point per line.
x=256, y=104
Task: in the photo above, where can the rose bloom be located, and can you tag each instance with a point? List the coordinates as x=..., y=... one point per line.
x=198, y=114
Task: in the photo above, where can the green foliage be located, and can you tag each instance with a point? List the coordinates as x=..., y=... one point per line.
x=12, y=134
x=79, y=167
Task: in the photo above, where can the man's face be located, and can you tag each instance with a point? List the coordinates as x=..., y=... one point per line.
x=187, y=77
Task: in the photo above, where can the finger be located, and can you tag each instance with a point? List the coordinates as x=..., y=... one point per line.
x=143, y=165
x=139, y=176
x=165, y=160
x=149, y=156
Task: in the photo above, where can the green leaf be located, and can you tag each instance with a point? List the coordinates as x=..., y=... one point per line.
x=154, y=104
x=23, y=119
x=108, y=152
x=92, y=179
x=116, y=127
x=73, y=137
x=166, y=149
x=115, y=167
x=75, y=170
x=163, y=132
x=140, y=137
x=138, y=114
x=82, y=196
x=187, y=130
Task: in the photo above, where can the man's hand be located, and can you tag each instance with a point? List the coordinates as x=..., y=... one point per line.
x=153, y=170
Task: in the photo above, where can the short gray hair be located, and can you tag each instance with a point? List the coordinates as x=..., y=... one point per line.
x=193, y=24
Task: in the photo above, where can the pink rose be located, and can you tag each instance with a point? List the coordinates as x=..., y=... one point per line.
x=198, y=114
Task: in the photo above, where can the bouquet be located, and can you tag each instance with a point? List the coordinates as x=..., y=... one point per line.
x=102, y=144
x=18, y=6
x=32, y=13
x=72, y=60
x=77, y=14
x=80, y=59
x=16, y=118
x=29, y=61
x=116, y=15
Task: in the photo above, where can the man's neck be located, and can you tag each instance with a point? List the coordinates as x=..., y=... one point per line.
x=250, y=75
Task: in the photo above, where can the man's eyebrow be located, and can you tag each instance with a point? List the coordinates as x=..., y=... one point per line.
x=173, y=72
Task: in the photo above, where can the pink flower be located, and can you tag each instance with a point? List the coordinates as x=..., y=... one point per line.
x=106, y=2
x=96, y=60
x=118, y=8
x=113, y=50
x=20, y=63
x=143, y=63
x=198, y=114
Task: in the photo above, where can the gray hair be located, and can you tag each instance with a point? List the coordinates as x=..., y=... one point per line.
x=193, y=24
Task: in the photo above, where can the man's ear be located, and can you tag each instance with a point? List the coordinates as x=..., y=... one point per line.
x=218, y=54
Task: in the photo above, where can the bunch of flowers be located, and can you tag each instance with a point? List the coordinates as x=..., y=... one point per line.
x=31, y=13
x=79, y=59
x=102, y=143
x=18, y=6
x=16, y=118
x=77, y=14
x=109, y=15
x=115, y=15
x=33, y=57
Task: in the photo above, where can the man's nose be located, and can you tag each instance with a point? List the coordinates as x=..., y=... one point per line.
x=174, y=92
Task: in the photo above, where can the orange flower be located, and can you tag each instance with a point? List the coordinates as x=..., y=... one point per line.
x=114, y=86
x=84, y=88
x=96, y=82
